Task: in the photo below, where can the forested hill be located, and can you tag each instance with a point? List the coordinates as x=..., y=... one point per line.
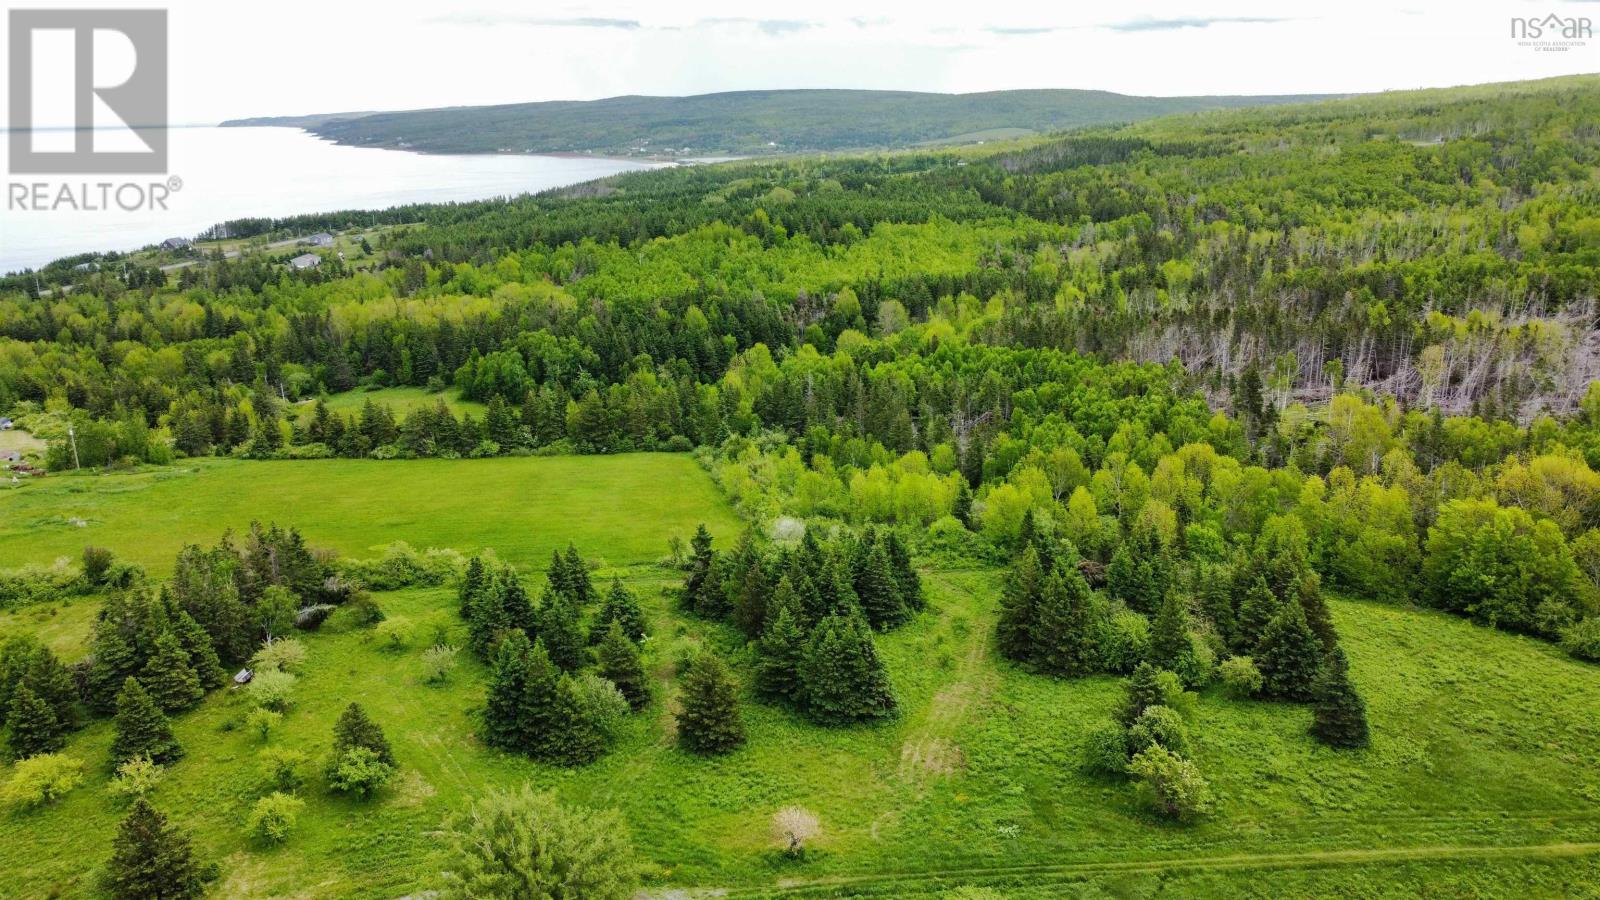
x=746, y=122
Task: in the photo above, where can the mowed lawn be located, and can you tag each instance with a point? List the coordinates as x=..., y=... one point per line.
x=1483, y=780
x=401, y=400
x=619, y=510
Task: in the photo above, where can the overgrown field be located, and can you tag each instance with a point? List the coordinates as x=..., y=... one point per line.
x=1483, y=778
x=619, y=509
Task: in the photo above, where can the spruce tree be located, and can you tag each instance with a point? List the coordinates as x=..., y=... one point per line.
x=1169, y=635
x=198, y=647
x=622, y=607
x=1308, y=591
x=708, y=717
x=1216, y=601
x=168, y=676
x=749, y=592
x=516, y=609
x=962, y=510
x=503, y=726
x=618, y=658
x=34, y=728
x=878, y=591
x=544, y=716
x=699, y=579
x=1340, y=716
x=833, y=586
x=1289, y=655
x=1065, y=627
x=579, y=740
x=142, y=728
x=1144, y=691
x=487, y=621
x=579, y=586
x=780, y=653
x=473, y=583
x=1019, y=608
x=53, y=683
x=556, y=625
x=114, y=661
x=841, y=676
x=905, y=573
x=1257, y=609
x=151, y=860
x=355, y=729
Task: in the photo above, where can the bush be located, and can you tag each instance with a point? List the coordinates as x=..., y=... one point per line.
x=285, y=768
x=793, y=827
x=1240, y=677
x=359, y=771
x=602, y=703
x=1105, y=749
x=272, y=689
x=360, y=611
x=1172, y=784
x=1158, y=726
x=1124, y=640
x=42, y=779
x=1582, y=639
x=525, y=844
x=437, y=663
x=402, y=565
x=97, y=565
x=135, y=778
x=261, y=721
x=273, y=817
x=281, y=655
x=395, y=634
x=1199, y=666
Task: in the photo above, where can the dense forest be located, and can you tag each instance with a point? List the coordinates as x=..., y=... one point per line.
x=1182, y=379
x=745, y=122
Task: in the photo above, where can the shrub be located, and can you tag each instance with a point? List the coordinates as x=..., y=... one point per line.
x=793, y=827
x=282, y=655
x=273, y=817
x=1105, y=749
x=272, y=689
x=97, y=565
x=261, y=721
x=402, y=565
x=1124, y=640
x=284, y=767
x=1199, y=666
x=1172, y=784
x=1582, y=639
x=135, y=778
x=437, y=663
x=1240, y=677
x=395, y=634
x=359, y=771
x=1158, y=726
x=360, y=611
x=525, y=844
x=42, y=779
x=602, y=703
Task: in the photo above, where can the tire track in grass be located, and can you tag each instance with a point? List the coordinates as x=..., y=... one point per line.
x=1045, y=873
x=930, y=748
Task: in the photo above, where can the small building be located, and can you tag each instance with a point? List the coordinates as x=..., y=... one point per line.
x=244, y=676
x=320, y=239
x=176, y=243
x=10, y=456
x=6, y=424
x=305, y=261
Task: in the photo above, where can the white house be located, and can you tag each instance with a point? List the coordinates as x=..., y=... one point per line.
x=305, y=261
x=320, y=239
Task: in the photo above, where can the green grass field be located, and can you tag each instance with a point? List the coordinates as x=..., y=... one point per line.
x=400, y=399
x=619, y=509
x=1483, y=779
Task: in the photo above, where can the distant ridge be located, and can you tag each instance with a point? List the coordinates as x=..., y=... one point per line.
x=747, y=123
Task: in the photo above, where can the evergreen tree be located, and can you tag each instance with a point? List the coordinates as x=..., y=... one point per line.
x=142, y=728
x=749, y=590
x=198, y=648
x=579, y=584
x=580, y=740
x=621, y=607
x=842, y=679
x=780, y=652
x=905, y=574
x=114, y=661
x=699, y=580
x=878, y=591
x=1144, y=691
x=833, y=587
x=1256, y=610
x=53, y=683
x=503, y=724
x=1289, y=655
x=556, y=625
x=1065, y=627
x=1340, y=716
x=619, y=661
x=487, y=621
x=516, y=610
x=1216, y=601
x=169, y=678
x=1019, y=608
x=355, y=729
x=1308, y=591
x=1169, y=635
x=473, y=583
x=34, y=728
x=151, y=860
x=708, y=717
x=962, y=509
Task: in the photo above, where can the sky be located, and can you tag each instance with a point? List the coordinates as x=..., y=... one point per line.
x=234, y=58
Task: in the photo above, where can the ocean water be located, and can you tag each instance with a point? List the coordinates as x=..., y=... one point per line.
x=231, y=173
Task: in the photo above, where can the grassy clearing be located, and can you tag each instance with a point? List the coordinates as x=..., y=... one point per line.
x=618, y=509
x=400, y=399
x=1484, y=777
